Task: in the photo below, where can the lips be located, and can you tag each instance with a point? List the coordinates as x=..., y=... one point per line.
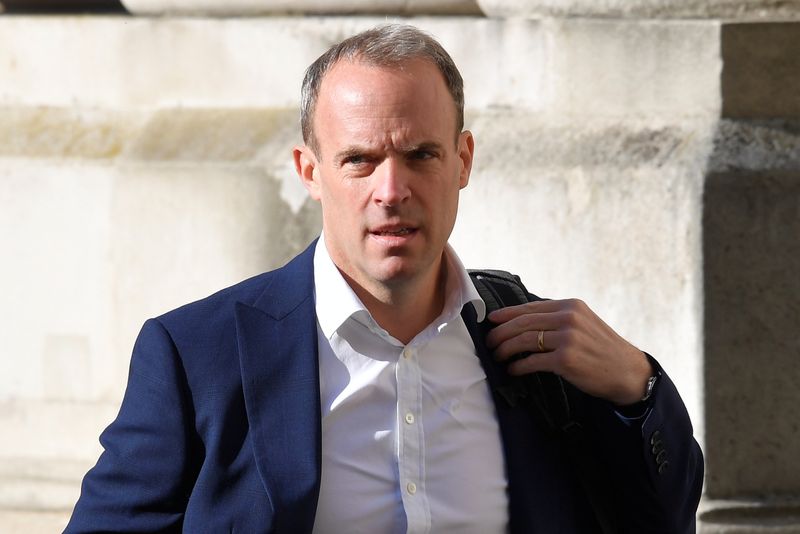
x=393, y=230
x=398, y=232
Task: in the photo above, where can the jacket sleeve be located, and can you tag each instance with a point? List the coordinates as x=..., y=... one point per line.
x=143, y=479
x=655, y=463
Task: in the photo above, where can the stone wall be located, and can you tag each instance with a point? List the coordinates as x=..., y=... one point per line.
x=641, y=160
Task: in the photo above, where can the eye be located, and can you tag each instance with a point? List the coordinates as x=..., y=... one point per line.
x=355, y=159
x=421, y=155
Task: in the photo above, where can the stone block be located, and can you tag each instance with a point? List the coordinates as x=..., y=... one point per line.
x=763, y=516
x=45, y=132
x=623, y=70
x=300, y=7
x=33, y=522
x=213, y=135
x=761, y=74
x=754, y=145
x=751, y=226
x=564, y=68
x=119, y=63
x=734, y=10
x=41, y=485
x=66, y=366
x=52, y=431
x=54, y=234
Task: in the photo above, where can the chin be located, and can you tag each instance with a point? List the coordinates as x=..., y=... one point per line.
x=394, y=271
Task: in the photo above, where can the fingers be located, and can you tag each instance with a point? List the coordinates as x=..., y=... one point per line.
x=540, y=306
x=544, y=361
x=567, y=338
x=525, y=322
x=529, y=342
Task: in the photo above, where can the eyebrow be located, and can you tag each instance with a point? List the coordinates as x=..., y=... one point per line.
x=350, y=152
x=356, y=150
x=427, y=145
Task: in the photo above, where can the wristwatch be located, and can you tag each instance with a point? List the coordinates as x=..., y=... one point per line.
x=651, y=384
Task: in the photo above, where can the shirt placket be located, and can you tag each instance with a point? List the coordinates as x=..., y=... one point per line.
x=410, y=442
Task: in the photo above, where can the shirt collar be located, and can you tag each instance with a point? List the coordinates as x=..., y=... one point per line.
x=336, y=302
x=460, y=289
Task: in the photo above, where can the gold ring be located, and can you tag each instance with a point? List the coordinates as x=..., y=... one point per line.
x=541, y=340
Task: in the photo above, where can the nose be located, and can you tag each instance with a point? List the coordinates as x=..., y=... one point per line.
x=391, y=183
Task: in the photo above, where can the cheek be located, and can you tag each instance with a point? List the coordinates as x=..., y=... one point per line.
x=447, y=210
x=340, y=210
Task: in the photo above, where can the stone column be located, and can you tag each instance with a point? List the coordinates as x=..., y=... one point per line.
x=749, y=217
x=751, y=245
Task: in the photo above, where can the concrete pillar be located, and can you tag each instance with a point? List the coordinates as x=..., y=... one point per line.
x=751, y=244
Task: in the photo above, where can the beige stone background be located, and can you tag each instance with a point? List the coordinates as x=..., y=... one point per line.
x=643, y=155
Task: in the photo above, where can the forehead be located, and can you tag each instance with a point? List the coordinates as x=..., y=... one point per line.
x=360, y=96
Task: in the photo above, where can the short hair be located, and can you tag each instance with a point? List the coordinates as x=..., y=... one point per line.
x=384, y=46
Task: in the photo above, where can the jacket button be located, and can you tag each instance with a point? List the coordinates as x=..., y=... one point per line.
x=661, y=458
x=656, y=437
x=658, y=448
x=663, y=467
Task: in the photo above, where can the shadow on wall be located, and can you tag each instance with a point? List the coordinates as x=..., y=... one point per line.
x=751, y=249
x=61, y=6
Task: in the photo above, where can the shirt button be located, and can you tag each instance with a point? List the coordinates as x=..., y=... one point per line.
x=408, y=353
x=410, y=418
x=412, y=488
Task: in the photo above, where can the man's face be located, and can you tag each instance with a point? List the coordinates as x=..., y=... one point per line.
x=388, y=170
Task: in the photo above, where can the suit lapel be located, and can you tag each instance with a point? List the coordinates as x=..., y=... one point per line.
x=277, y=339
x=516, y=430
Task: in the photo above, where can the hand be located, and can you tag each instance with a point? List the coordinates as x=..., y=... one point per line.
x=578, y=346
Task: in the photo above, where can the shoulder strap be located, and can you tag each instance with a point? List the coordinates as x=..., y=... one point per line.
x=545, y=391
x=549, y=396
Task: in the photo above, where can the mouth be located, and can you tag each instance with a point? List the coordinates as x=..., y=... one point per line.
x=393, y=234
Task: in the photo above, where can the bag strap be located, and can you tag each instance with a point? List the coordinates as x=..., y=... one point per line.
x=550, y=397
x=545, y=391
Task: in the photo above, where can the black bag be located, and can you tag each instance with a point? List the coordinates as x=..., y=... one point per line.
x=552, y=400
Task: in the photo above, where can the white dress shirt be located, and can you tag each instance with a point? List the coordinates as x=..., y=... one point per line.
x=410, y=439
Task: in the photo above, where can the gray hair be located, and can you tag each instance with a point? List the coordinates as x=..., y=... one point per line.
x=383, y=46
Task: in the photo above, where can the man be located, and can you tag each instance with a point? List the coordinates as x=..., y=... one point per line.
x=346, y=392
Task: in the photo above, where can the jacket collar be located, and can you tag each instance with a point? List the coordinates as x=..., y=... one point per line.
x=277, y=338
x=516, y=430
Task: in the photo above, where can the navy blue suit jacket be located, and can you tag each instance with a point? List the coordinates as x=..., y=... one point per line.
x=219, y=431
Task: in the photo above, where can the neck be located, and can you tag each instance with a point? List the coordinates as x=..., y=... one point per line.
x=406, y=309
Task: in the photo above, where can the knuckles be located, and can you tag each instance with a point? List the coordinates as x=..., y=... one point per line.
x=569, y=337
x=570, y=318
x=575, y=305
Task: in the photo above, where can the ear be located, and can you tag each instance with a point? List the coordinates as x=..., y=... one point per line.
x=305, y=163
x=466, y=150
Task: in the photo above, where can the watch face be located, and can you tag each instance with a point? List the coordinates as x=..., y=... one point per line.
x=651, y=382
